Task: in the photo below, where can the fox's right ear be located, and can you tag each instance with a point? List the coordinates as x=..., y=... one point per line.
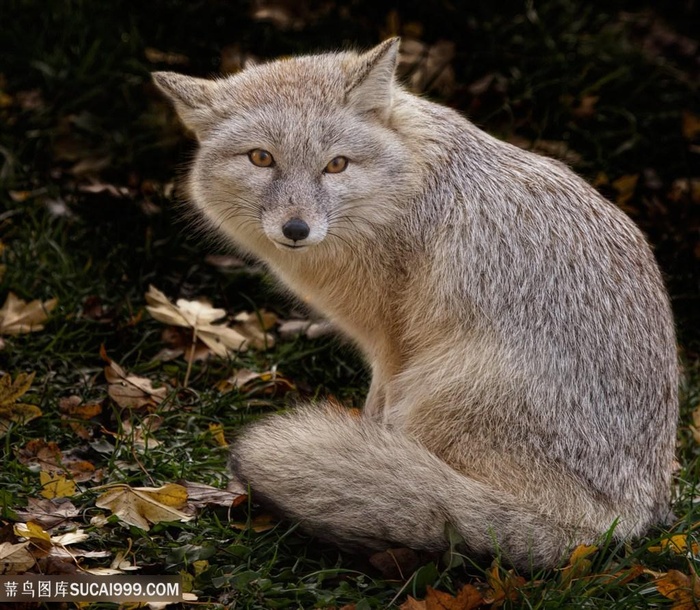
x=193, y=98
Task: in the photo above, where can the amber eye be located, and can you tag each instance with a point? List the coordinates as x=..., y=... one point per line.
x=261, y=158
x=336, y=165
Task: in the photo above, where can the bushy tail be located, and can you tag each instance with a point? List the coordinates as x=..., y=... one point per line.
x=361, y=484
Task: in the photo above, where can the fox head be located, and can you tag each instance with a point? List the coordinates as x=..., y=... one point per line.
x=297, y=152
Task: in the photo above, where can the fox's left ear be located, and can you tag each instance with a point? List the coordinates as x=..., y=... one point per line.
x=372, y=84
x=193, y=98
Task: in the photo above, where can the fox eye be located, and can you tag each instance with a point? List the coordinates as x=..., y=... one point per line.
x=336, y=165
x=261, y=158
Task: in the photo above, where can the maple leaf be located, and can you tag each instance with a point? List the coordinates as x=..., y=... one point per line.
x=48, y=513
x=141, y=506
x=56, y=485
x=18, y=316
x=198, y=316
x=11, y=410
x=467, y=598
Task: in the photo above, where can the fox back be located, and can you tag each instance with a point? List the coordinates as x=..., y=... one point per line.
x=516, y=325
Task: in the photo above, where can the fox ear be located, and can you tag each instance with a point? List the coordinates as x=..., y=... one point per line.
x=192, y=97
x=371, y=85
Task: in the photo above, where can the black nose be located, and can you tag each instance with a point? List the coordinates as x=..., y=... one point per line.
x=296, y=229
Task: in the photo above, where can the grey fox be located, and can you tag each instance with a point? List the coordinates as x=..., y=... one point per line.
x=519, y=335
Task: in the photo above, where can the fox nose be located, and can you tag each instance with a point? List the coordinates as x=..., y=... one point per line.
x=296, y=229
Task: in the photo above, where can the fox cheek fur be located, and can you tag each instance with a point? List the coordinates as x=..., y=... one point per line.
x=520, y=338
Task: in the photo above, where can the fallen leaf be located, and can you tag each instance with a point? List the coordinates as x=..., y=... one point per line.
x=625, y=187
x=261, y=523
x=141, y=435
x=130, y=391
x=691, y=125
x=15, y=558
x=142, y=506
x=413, y=604
x=47, y=456
x=680, y=544
x=682, y=589
x=217, y=432
x=506, y=587
x=199, y=316
x=74, y=412
x=252, y=383
x=12, y=411
x=18, y=316
x=56, y=485
x=579, y=565
x=467, y=598
x=254, y=327
x=38, y=538
x=395, y=564
x=201, y=495
x=48, y=513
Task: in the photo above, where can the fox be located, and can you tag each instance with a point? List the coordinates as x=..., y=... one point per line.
x=515, y=323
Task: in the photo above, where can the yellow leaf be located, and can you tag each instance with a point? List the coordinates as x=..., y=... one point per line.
x=18, y=316
x=142, y=506
x=56, y=485
x=35, y=534
x=678, y=544
x=10, y=409
x=217, y=432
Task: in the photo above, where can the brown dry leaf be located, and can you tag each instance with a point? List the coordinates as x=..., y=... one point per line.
x=502, y=589
x=413, y=604
x=551, y=148
x=18, y=316
x=49, y=458
x=141, y=435
x=247, y=381
x=427, y=67
x=130, y=391
x=48, y=513
x=395, y=564
x=261, y=523
x=56, y=485
x=691, y=125
x=72, y=409
x=625, y=187
x=15, y=558
x=682, y=589
x=171, y=58
x=142, y=506
x=198, y=316
x=200, y=495
x=12, y=411
x=467, y=598
x=586, y=107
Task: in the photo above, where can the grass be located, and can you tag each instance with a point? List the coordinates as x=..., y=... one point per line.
x=76, y=108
